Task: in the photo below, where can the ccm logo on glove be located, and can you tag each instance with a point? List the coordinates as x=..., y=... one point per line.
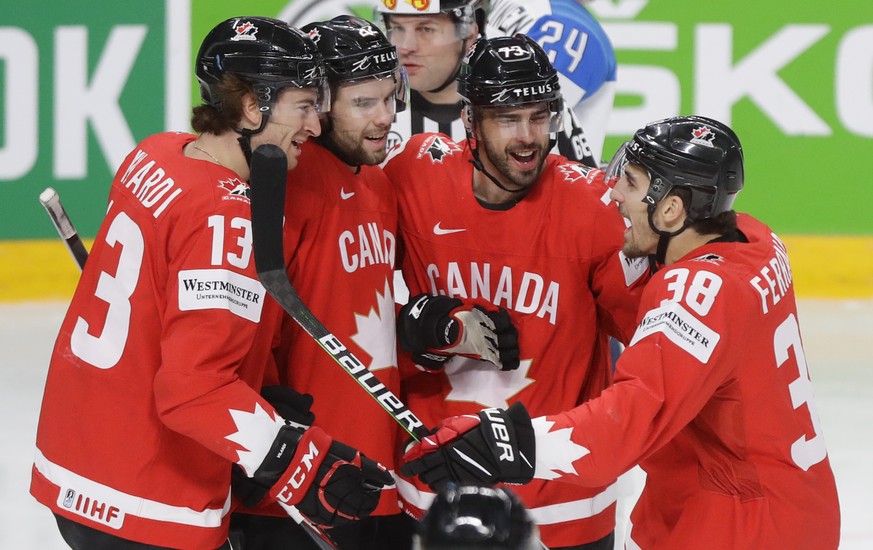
x=298, y=478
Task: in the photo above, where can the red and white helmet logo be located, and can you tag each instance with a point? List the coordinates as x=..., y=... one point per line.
x=703, y=136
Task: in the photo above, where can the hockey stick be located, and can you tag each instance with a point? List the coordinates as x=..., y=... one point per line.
x=52, y=203
x=269, y=172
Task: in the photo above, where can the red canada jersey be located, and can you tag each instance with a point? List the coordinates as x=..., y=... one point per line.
x=152, y=390
x=340, y=238
x=713, y=399
x=553, y=261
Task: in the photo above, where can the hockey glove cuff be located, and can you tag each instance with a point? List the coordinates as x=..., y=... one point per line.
x=294, y=408
x=433, y=328
x=492, y=447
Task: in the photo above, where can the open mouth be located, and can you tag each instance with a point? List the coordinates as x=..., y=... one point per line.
x=378, y=140
x=525, y=158
x=627, y=223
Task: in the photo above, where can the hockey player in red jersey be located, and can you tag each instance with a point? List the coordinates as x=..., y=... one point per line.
x=712, y=397
x=153, y=389
x=340, y=241
x=497, y=222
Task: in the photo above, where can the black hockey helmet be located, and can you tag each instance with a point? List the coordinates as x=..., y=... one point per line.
x=694, y=152
x=508, y=71
x=354, y=49
x=267, y=53
x=463, y=12
x=477, y=518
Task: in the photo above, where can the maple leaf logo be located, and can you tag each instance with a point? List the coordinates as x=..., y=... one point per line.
x=376, y=332
x=575, y=171
x=245, y=30
x=481, y=382
x=438, y=150
x=556, y=451
x=702, y=136
x=255, y=433
x=235, y=186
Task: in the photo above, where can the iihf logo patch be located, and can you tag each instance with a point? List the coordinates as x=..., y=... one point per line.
x=703, y=136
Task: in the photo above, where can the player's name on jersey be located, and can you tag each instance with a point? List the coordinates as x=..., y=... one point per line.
x=773, y=280
x=366, y=245
x=149, y=184
x=524, y=292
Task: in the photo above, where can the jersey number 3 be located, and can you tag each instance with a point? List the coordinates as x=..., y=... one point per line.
x=804, y=452
x=105, y=351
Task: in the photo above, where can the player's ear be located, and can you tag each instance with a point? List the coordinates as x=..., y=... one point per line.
x=251, y=113
x=672, y=209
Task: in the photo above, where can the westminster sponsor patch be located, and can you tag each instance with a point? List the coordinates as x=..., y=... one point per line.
x=682, y=328
x=221, y=289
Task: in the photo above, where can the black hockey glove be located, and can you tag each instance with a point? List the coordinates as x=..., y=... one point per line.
x=349, y=486
x=434, y=328
x=328, y=482
x=291, y=405
x=494, y=446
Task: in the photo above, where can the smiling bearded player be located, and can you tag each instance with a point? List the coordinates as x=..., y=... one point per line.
x=498, y=233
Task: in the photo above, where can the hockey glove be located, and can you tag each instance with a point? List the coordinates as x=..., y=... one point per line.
x=494, y=446
x=329, y=482
x=433, y=328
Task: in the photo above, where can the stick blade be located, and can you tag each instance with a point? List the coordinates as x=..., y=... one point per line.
x=269, y=173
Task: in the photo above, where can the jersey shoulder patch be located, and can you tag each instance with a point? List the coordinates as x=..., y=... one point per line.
x=436, y=147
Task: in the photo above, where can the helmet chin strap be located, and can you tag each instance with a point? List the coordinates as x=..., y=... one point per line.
x=477, y=164
x=245, y=137
x=663, y=238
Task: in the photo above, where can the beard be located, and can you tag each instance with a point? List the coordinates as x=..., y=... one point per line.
x=349, y=147
x=631, y=250
x=634, y=247
x=502, y=160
